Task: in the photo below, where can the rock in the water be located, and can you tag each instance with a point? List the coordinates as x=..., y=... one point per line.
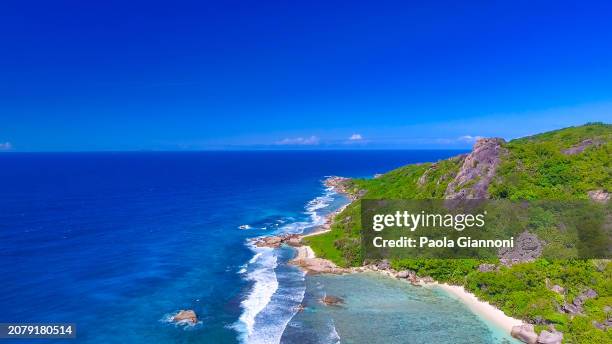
x=600, y=196
x=550, y=337
x=185, y=316
x=473, y=179
x=329, y=300
x=525, y=333
x=299, y=308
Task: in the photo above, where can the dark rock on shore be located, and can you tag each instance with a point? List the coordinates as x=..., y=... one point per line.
x=277, y=241
x=383, y=265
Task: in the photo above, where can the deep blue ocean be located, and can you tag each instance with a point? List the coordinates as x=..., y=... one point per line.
x=119, y=242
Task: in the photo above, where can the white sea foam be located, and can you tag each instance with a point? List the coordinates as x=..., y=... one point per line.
x=334, y=337
x=261, y=272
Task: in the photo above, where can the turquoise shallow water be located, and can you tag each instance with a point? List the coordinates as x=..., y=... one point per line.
x=378, y=309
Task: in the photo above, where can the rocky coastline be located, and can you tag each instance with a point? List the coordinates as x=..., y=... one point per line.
x=307, y=260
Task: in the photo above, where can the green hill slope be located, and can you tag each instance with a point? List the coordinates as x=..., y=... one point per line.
x=567, y=164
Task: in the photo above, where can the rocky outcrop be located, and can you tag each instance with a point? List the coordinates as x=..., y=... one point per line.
x=550, y=336
x=600, y=196
x=277, y=241
x=329, y=300
x=527, y=248
x=185, y=316
x=318, y=266
x=487, y=267
x=383, y=265
x=585, y=295
x=576, y=306
x=525, y=333
x=478, y=169
x=342, y=185
x=582, y=146
x=604, y=325
x=558, y=289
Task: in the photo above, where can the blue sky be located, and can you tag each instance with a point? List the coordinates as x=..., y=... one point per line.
x=285, y=75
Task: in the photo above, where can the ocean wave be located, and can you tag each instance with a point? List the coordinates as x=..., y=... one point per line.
x=261, y=272
x=313, y=211
x=270, y=305
x=333, y=337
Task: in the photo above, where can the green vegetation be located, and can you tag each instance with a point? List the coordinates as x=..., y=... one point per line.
x=531, y=168
x=536, y=168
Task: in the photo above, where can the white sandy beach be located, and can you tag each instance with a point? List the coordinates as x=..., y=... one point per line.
x=482, y=308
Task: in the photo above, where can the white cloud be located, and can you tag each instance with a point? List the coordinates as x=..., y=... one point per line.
x=6, y=146
x=301, y=141
x=469, y=138
x=356, y=137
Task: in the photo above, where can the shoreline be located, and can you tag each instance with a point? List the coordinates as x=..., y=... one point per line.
x=481, y=308
x=306, y=259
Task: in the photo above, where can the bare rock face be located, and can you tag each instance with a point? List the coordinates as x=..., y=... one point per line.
x=585, y=295
x=478, y=169
x=185, y=316
x=558, y=289
x=383, y=265
x=487, y=267
x=525, y=333
x=600, y=196
x=550, y=337
x=527, y=248
x=329, y=300
x=576, y=306
x=604, y=325
x=572, y=309
x=582, y=146
x=423, y=178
